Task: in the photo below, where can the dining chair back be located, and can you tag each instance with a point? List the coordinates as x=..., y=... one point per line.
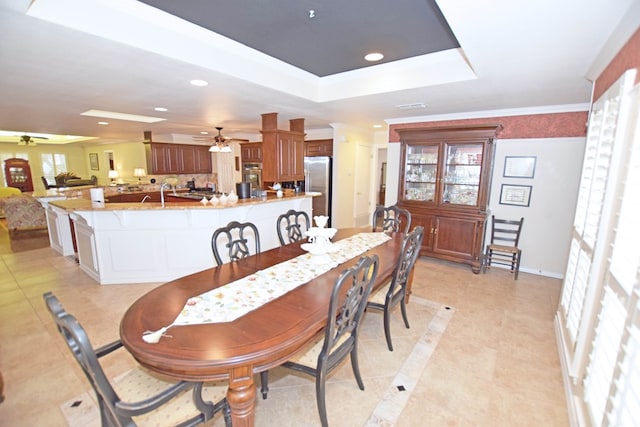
x=503, y=248
x=150, y=400
x=388, y=297
x=236, y=241
x=340, y=337
x=46, y=183
x=391, y=219
x=291, y=226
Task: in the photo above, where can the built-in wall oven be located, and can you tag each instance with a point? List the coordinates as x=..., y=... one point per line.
x=252, y=172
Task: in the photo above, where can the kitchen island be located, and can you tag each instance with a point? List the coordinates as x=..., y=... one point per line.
x=120, y=243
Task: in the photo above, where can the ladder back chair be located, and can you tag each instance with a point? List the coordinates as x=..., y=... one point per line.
x=391, y=219
x=340, y=337
x=240, y=240
x=138, y=398
x=388, y=297
x=292, y=225
x=503, y=249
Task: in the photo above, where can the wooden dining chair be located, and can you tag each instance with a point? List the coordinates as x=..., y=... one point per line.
x=391, y=219
x=237, y=238
x=291, y=226
x=503, y=248
x=138, y=398
x=388, y=297
x=340, y=337
x=46, y=183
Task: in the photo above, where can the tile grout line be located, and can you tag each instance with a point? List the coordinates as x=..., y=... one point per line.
x=390, y=407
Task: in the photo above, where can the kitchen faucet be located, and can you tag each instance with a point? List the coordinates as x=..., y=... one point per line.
x=162, y=186
x=145, y=198
x=162, y=193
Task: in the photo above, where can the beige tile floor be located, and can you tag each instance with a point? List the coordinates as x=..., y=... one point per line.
x=496, y=363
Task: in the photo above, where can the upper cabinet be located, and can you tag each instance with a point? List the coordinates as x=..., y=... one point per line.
x=444, y=182
x=251, y=152
x=319, y=147
x=165, y=158
x=282, y=150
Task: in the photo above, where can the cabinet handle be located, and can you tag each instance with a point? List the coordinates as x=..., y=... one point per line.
x=435, y=231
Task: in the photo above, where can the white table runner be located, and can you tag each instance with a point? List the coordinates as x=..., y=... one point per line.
x=235, y=299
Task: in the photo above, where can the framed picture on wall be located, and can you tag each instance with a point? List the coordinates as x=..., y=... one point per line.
x=519, y=166
x=93, y=161
x=516, y=195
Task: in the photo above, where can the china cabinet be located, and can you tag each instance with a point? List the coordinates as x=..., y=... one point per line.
x=17, y=173
x=445, y=178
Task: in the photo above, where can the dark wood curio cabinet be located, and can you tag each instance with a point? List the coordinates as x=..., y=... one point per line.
x=17, y=173
x=445, y=177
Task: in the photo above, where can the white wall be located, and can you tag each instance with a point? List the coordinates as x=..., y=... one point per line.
x=546, y=233
x=393, y=174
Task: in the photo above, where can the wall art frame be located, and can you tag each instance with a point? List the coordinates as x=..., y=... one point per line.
x=519, y=166
x=515, y=195
x=93, y=161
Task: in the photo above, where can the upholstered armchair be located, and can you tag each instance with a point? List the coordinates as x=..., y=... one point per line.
x=7, y=192
x=23, y=213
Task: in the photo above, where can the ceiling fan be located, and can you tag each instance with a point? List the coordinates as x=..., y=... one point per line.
x=220, y=142
x=29, y=140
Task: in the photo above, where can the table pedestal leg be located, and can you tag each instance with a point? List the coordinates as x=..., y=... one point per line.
x=242, y=397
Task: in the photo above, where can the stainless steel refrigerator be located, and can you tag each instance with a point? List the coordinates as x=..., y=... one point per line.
x=317, y=177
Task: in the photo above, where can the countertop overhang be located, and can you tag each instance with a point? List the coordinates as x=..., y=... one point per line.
x=84, y=204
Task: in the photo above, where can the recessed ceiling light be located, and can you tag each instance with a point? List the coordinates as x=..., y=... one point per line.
x=197, y=82
x=160, y=109
x=377, y=126
x=204, y=132
x=373, y=56
x=121, y=116
x=103, y=123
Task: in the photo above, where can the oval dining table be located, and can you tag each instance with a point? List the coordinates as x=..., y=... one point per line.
x=255, y=342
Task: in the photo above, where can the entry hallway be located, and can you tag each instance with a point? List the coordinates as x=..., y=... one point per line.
x=495, y=362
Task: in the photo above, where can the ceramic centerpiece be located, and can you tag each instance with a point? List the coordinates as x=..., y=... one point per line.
x=320, y=238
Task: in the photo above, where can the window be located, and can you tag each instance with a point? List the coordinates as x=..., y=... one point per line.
x=52, y=165
x=598, y=319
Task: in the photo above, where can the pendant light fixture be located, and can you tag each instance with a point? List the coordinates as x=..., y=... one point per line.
x=220, y=143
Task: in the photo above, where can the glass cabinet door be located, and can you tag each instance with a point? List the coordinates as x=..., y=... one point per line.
x=463, y=163
x=421, y=173
x=18, y=175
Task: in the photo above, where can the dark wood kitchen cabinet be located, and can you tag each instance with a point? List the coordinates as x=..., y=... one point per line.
x=445, y=176
x=251, y=152
x=282, y=150
x=319, y=147
x=166, y=158
x=196, y=159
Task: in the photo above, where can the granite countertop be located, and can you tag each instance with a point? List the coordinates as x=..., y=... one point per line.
x=67, y=192
x=78, y=204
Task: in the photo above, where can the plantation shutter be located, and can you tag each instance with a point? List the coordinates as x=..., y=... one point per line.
x=598, y=319
x=608, y=114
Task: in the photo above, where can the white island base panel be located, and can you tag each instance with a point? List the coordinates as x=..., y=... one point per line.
x=160, y=245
